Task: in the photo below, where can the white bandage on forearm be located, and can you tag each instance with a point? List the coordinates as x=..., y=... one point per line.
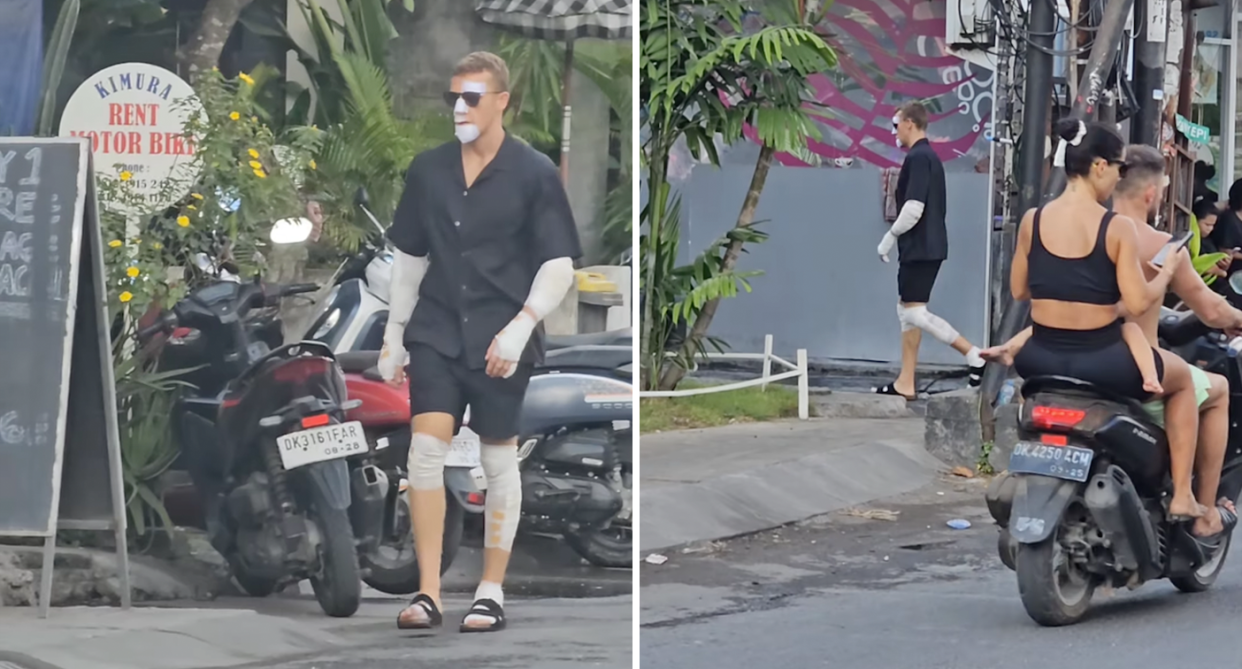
x=910, y=214
x=407, y=275
x=919, y=317
x=425, y=462
x=551, y=283
x=503, y=504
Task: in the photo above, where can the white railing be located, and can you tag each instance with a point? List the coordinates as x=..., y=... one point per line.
x=795, y=370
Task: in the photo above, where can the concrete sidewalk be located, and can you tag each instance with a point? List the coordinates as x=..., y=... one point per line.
x=701, y=485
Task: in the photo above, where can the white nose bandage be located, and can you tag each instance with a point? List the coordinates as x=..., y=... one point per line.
x=426, y=462
x=466, y=132
x=503, y=505
x=919, y=317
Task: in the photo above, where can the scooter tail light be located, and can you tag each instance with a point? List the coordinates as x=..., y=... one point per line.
x=1056, y=418
x=316, y=421
x=301, y=369
x=475, y=498
x=1054, y=439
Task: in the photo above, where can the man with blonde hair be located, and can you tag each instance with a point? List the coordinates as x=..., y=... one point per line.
x=485, y=246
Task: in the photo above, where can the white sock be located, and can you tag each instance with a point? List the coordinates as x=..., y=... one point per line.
x=973, y=357
x=489, y=590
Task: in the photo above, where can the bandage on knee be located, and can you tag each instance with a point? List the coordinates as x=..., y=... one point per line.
x=426, y=462
x=503, y=504
x=919, y=317
x=906, y=325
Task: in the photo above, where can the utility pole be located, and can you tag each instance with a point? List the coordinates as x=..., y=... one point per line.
x=1151, y=27
x=1039, y=85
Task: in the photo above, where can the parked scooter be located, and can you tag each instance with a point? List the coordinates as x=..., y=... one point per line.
x=1085, y=501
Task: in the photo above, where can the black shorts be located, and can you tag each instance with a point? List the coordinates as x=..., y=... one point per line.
x=1096, y=356
x=446, y=385
x=915, y=280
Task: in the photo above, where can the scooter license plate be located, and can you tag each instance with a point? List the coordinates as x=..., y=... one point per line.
x=464, y=451
x=330, y=442
x=1063, y=462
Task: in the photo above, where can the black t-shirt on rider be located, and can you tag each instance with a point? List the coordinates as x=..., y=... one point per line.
x=922, y=179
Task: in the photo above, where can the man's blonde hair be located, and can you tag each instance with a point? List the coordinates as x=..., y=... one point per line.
x=485, y=61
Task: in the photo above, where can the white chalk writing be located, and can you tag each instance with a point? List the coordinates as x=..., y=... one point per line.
x=18, y=197
x=35, y=156
x=10, y=431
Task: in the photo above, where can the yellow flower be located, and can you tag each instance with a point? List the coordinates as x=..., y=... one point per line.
x=183, y=221
x=196, y=196
x=126, y=296
x=133, y=272
x=253, y=154
x=126, y=176
x=157, y=246
x=235, y=116
x=246, y=78
x=191, y=207
x=261, y=174
x=313, y=165
x=116, y=243
x=256, y=165
x=254, y=119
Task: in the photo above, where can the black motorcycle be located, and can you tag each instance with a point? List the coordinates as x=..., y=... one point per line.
x=264, y=440
x=1085, y=500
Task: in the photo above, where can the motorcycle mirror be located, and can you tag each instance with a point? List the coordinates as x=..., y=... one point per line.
x=361, y=197
x=292, y=231
x=1235, y=282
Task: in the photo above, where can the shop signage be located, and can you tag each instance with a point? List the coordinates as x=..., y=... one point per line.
x=1193, y=131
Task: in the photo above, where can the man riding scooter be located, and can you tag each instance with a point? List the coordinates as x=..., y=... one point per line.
x=1138, y=195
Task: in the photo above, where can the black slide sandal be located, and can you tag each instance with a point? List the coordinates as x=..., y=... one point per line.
x=976, y=376
x=888, y=389
x=486, y=608
x=434, y=618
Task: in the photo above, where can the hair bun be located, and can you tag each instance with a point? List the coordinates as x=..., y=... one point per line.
x=1067, y=129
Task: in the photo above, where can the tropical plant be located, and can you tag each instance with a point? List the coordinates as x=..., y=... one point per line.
x=703, y=77
x=57, y=51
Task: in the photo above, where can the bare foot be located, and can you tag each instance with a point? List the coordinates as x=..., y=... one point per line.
x=1152, y=385
x=998, y=354
x=1187, y=508
x=1211, y=523
x=417, y=615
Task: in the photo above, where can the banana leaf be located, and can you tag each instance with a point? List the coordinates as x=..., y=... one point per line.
x=1195, y=237
x=1204, y=263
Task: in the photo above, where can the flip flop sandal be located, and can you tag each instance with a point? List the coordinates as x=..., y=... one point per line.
x=487, y=608
x=888, y=389
x=976, y=376
x=434, y=619
x=1228, y=520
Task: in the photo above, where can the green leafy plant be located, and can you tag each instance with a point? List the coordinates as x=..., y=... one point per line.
x=704, y=78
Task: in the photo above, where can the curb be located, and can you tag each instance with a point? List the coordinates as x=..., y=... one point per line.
x=781, y=493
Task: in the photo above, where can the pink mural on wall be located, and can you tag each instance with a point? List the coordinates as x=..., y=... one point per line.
x=891, y=52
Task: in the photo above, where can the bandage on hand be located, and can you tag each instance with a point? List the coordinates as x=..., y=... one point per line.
x=392, y=361
x=508, y=345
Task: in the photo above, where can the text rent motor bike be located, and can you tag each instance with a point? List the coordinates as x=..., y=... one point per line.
x=1084, y=503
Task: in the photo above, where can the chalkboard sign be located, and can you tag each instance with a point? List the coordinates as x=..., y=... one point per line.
x=60, y=462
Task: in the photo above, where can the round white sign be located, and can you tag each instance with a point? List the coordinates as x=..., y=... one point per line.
x=135, y=119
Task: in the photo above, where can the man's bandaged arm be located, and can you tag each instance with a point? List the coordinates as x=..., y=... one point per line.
x=407, y=275
x=910, y=214
x=552, y=281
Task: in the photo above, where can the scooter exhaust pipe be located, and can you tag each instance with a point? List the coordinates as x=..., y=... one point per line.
x=1118, y=511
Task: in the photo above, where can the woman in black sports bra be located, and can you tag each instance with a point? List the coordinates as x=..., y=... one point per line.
x=1078, y=264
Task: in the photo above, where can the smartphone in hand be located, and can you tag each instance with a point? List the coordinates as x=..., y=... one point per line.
x=1174, y=245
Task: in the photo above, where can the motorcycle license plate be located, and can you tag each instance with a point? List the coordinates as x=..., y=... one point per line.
x=330, y=442
x=464, y=451
x=1063, y=462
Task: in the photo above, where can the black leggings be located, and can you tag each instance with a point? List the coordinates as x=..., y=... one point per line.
x=1096, y=356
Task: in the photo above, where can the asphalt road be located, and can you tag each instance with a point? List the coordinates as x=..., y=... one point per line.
x=850, y=592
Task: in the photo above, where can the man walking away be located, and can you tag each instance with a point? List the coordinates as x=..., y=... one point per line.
x=922, y=245
x=485, y=249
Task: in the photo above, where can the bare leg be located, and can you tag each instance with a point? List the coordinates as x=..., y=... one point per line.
x=427, y=508
x=1210, y=454
x=910, y=341
x=1182, y=427
x=1144, y=356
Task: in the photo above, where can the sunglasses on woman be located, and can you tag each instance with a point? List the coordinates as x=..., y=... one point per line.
x=471, y=98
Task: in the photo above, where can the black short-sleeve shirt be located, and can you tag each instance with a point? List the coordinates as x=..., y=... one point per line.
x=922, y=179
x=484, y=244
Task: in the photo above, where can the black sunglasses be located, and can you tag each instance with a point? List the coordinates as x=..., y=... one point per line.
x=472, y=98
x=1122, y=167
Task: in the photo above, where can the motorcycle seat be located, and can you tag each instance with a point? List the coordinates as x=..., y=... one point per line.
x=357, y=362
x=1039, y=384
x=619, y=337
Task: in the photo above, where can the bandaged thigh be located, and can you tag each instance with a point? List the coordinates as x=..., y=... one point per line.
x=425, y=462
x=503, y=504
x=919, y=317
